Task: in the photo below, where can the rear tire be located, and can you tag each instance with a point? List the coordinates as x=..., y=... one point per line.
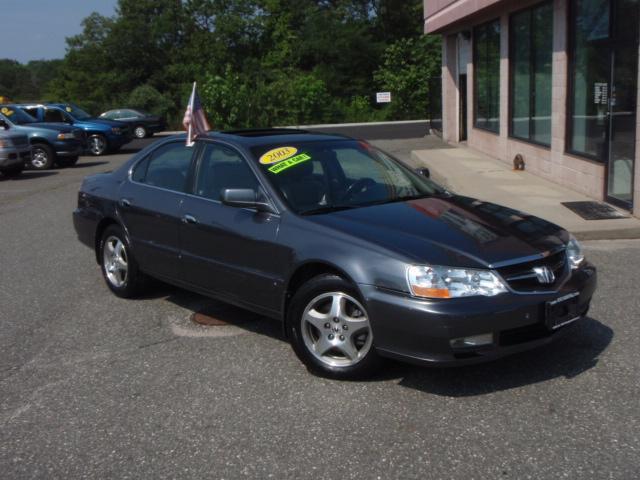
x=42, y=157
x=330, y=331
x=118, y=265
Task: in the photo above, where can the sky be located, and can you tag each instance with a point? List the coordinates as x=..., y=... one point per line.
x=36, y=29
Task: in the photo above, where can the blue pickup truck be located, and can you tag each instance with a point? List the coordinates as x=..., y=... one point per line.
x=103, y=135
x=51, y=143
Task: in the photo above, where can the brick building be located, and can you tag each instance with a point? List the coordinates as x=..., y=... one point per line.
x=555, y=81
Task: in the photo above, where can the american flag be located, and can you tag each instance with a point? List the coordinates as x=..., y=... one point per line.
x=195, y=122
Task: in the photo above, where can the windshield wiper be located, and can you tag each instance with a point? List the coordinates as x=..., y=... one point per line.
x=397, y=199
x=328, y=209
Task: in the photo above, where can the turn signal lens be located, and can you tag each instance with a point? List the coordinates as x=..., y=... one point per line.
x=447, y=282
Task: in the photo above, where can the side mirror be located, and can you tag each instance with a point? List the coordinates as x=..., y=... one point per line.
x=424, y=172
x=245, y=198
x=4, y=125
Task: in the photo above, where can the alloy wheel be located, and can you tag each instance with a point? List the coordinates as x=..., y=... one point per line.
x=115, y=261
x=336, y=329
x=39, y=158
x=97, y=144
x=140, y=132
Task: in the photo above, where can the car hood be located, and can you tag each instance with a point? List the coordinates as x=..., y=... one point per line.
x=58, y=127
x=453, y=230
x=99, y=121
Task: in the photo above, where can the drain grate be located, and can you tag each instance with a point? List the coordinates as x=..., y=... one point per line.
x=218, y=314
x=595, y=210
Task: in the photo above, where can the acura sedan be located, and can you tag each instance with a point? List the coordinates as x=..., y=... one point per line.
x=142, y=124
x=358, y=256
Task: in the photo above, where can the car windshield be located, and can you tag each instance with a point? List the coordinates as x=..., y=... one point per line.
x=320, y=177
x=17, y=116
x=76, y=112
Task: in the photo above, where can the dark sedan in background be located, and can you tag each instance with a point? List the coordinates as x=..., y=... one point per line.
x=142, y=124
x=359, y=256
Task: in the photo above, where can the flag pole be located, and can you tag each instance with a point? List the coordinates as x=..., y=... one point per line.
x=193, y=94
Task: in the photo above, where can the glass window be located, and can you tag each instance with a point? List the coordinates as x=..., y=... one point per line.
x=222, y=167
x=589, y=76
x=319, y=177
x=486, y=62
x=168, y=167
x=531, y=51
x=53, y=115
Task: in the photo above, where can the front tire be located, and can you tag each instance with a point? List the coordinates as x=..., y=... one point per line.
x=42, y=157
x=119, y=267
x=98, y=144
x=330, y=331
x=140, y=132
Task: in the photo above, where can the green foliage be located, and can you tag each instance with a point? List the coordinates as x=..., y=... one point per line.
x=407, y=65
x=147, y=98
x=257, y=62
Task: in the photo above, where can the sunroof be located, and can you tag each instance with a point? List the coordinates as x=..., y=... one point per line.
x=265, y=132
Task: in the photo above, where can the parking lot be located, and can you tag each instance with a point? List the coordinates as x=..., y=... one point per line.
x=94, y=386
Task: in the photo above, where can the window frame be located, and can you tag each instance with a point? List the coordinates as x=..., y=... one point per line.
x=570, y=97
x=474, y=54
x=532, y=51
x=189, y=181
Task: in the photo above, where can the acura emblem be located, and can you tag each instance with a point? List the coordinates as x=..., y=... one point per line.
x=544, y=275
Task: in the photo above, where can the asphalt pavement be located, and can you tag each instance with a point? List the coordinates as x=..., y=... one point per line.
x=93, y=386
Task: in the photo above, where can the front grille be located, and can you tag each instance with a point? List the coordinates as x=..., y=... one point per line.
x=521, y=276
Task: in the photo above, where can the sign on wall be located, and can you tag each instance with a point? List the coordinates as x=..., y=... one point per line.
x=383, y=97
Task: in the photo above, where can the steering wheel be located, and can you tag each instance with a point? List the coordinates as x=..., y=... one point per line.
x=358, y=186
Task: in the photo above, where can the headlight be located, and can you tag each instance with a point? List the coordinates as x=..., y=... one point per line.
x=116, y=130
x=66, y=136
x=574, y=253
x=450, y=282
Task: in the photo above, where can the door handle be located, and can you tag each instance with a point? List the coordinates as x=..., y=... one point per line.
x=189, y=219
x=125, y=202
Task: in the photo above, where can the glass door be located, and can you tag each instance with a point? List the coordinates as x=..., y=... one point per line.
x=623, y=102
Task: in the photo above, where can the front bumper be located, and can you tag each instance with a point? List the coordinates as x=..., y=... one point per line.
x=420, y=331
x=12, y=156
x=68, y=148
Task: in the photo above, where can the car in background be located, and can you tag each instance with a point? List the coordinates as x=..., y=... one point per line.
x=15, y=151
x=141, y=123
x=102, y=135
x=52, y=143
x=358, y=255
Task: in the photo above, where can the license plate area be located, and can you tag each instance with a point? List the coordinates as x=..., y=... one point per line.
x=562, y=311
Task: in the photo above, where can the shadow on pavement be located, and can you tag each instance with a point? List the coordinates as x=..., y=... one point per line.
x=88, y=164
x=28, y=175
x=569, y=356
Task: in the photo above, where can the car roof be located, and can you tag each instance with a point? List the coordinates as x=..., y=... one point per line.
x=269, y=136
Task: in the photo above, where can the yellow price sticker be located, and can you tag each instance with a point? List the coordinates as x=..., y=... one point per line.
x=277, y=155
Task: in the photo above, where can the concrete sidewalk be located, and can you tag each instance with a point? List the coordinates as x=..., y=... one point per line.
x=468, y=172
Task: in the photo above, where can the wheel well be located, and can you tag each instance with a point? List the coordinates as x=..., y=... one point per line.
x=303, y=274
x=36, y=140
x=102, y=226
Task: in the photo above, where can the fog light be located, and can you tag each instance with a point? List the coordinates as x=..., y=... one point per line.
x=474, y=341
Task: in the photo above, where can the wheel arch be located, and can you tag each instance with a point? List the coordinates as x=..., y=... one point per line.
x=36, y=140
x=305, y=272
x=100, y=228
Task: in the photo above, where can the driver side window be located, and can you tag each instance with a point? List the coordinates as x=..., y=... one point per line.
x=222, y=167
x=54, y=116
